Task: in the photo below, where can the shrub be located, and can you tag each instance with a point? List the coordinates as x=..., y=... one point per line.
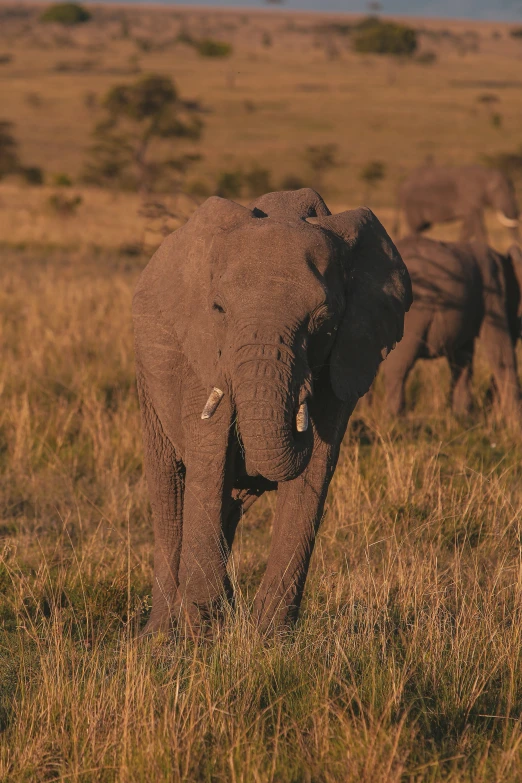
x=207, y=47
x=64, y=206
x=373, y=172
x=5, y=59
x=230, y=184
x=258, y=181
x=496, y=119
x=487, y=98
x=321, y=158
x=68, y=14
x=9, y=160
x=33, y=175
x=292, y=182
x=185, y=38
x=62, y=180
x=198, y=188
x=426, y=58
x=34, y=100
x=516, y=32
x=375, y=37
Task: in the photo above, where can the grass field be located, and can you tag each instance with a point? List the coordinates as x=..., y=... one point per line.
x=406, y=663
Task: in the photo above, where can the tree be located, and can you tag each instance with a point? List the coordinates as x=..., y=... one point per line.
x=9, y=160
x=372, y=36
x=68, y=14
x=137, y=115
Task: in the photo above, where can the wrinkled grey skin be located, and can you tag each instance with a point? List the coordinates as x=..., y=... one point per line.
x=461, y=291
x=272, y=310
x=438, y=194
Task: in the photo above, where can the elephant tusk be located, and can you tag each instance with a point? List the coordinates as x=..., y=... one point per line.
x=507, y=222
x=302, y=418
x=216, y=395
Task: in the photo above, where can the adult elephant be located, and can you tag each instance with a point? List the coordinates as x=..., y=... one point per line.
x=460, y=291
x=438, y=194
x=257, y=329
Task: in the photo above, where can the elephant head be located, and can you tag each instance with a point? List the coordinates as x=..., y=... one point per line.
x=500, y=195
x=264, y=299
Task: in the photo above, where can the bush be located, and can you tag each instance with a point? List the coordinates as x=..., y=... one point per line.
x=516, y=32
x=9, y=160
x=375, y=37
x=230, y=184
x=258, y=181
x=292, y=182
x=68, y=14
x=33, y=175
x=198, y=188
x=64, y=206
x=62, y=180
x=426, y=58
x=210, y=48
x=487, y=98
x=373, y=172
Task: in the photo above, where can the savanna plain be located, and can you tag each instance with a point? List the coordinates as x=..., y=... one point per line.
x=406, y=662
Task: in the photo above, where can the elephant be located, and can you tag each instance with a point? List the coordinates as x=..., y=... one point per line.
x=257, y=328
x=461, y=291
x=438, y=194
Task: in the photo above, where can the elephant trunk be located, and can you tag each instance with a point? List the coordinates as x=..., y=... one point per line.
x=272, y=414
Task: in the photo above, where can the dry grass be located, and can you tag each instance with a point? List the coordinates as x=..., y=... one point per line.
x=406, y=664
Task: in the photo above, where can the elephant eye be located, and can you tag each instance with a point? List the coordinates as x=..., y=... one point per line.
x=218, y=307
x=319, y=316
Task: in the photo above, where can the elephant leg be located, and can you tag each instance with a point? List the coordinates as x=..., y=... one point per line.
x=299, y=511
x=165, y=479
x=474, y=227
x=461, y=366
x=505, y=379
x=203, y=578
x=398, y=365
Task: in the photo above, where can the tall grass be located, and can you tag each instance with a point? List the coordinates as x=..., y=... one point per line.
x=405, y=664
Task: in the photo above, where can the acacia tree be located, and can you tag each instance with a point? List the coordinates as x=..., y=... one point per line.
x=136, y=116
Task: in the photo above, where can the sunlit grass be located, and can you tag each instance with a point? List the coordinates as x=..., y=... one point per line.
x=405, y=664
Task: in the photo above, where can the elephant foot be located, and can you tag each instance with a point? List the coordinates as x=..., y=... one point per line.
x=202, y=620
x=274, y=617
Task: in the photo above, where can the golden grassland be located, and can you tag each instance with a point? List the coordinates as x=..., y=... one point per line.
x=406, y=662
x=266, y=104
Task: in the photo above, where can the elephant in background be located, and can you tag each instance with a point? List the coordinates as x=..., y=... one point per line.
x=438, y=194
x=257, y=330
x=461, y=291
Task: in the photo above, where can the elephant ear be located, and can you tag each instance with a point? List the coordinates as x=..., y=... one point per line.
x=172, y=304
x=303, y=203
x=377, y=295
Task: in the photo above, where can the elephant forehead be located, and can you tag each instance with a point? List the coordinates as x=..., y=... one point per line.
x=276, y=245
